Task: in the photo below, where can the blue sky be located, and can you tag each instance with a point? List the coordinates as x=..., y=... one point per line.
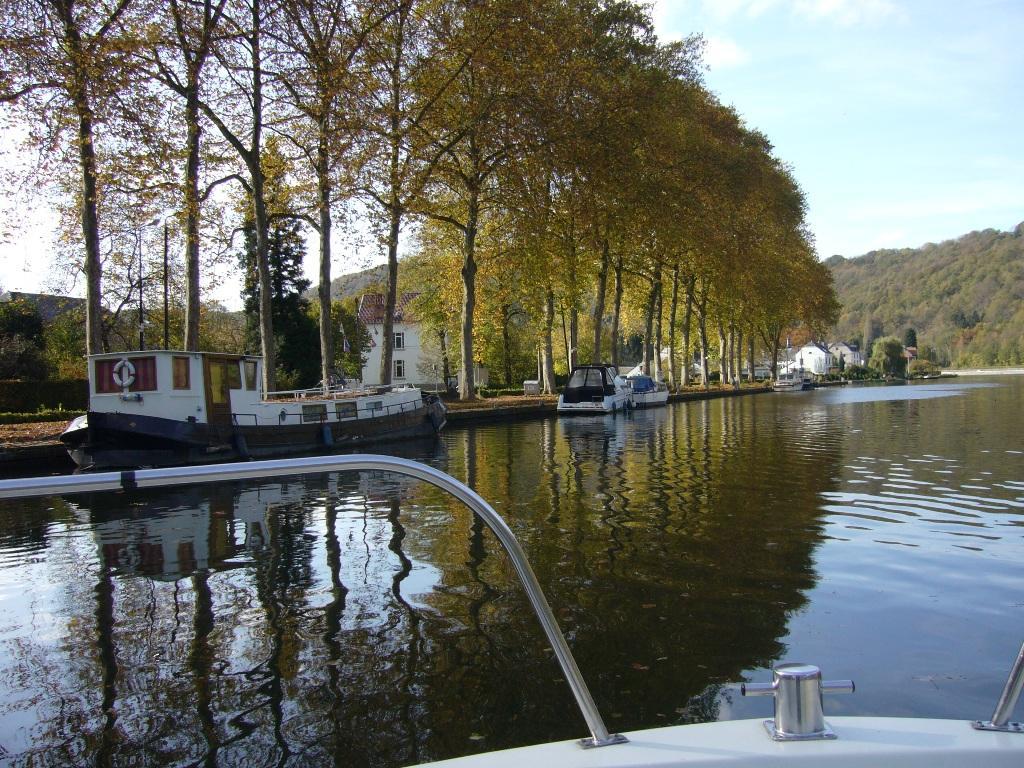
x=903, y=120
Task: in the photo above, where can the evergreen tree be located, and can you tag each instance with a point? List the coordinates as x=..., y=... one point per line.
x=295, y=332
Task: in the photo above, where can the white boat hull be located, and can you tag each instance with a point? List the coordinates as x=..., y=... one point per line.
x=882, y=742
x=608, y=404
x=650, y=399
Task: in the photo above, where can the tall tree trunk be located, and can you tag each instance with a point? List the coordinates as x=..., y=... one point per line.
x=750, y=357
x=574, y=313
x=687, y=318
x=602, y=280
x=673, y=381
x=574, y=336
x=395, y=211
x=467, y=388
x=391, y=292
x=722, y=354
x=90, y=193
x=323, y=181
x=195, y=55
x=548, y=352
x=658, y=312
x=731, y=367
x=506, y=344
x=645, y=356
x=702, y=317
x=259, y=202
x=192, y=298
x=617, y=311
x=739, y=354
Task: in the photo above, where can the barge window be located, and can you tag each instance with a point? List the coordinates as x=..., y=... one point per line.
x=234, y=376
x=316, y=412
x=345, y=410
x=181, y=373
x=250, y=373
x=144, y=380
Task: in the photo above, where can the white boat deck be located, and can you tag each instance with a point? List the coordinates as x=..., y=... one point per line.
x=880, y=742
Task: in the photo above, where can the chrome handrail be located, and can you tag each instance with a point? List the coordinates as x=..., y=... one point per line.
x=261, y=470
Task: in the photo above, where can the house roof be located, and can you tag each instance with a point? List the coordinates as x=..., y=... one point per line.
x=844, y=344
x=371, y=308
x=818, y=346
x=47, y=305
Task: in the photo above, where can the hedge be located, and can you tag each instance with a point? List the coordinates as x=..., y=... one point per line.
x=30, y=396
x=31, y=418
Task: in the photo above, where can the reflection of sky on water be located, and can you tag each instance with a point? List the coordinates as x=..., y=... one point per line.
x=854, y=393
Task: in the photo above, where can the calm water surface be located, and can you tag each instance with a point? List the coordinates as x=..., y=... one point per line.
x=368, y=620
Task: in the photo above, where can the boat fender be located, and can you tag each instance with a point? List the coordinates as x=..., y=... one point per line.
x=326, y=435
x=241, y=446
x=123, y=373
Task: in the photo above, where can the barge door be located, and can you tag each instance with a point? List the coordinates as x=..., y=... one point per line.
x=217, y=380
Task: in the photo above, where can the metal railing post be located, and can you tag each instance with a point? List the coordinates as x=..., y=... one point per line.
x=1007, y=700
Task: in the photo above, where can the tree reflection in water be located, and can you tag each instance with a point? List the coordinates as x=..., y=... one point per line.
x=369, y=620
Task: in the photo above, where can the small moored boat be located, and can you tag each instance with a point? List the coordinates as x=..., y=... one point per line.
x=595, y=389
x=165, y=408
x=793, y=380
x=647, y=393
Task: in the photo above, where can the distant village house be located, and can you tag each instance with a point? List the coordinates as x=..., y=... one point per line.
x=406, y=351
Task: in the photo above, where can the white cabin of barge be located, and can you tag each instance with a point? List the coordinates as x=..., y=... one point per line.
x=218, y=388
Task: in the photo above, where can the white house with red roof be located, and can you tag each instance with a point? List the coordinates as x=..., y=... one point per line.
x=407, y=350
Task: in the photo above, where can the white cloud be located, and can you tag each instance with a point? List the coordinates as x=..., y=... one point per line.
x=727, y=9
x=722, y=53
x=848, y=13
x=671, y=13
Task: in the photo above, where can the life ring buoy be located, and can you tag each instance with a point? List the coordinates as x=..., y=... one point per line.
x=123, y=373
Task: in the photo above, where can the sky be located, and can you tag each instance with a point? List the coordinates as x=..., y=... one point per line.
x=903, y=120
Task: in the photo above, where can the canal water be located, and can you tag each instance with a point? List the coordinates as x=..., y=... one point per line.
x=365, y=619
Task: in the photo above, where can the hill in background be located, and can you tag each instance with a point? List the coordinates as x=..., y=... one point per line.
x=963, y=297
x=356, y=283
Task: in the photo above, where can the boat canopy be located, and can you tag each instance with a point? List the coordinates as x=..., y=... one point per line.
x=642, y=384
x=588, y=382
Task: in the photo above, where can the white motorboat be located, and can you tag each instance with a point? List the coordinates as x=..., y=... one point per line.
x=793, y=380
x=595, y=389
x=647, y=393
x=797, y=735
x=163, y=408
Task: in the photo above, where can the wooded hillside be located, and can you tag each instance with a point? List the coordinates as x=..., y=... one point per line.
x=964, y=297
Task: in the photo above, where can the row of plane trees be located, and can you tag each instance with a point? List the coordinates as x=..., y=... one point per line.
x=556, y=150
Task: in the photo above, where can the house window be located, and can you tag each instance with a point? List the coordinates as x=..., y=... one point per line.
x=399, y=369
x=181, y=373
x=399, y=339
